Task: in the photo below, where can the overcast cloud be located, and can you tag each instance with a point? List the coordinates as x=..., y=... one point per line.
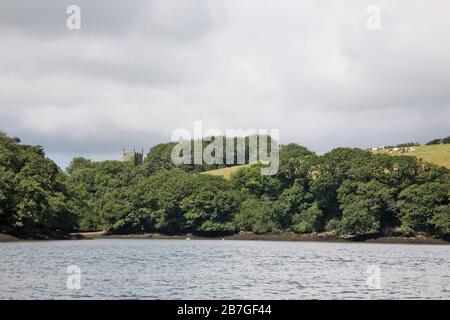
x=139, y=69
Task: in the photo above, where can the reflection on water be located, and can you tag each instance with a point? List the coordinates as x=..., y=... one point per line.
x=211, y=269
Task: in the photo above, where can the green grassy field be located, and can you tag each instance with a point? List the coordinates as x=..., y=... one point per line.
x=226, y=172
x=438, y=154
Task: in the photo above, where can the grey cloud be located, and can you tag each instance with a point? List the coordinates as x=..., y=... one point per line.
x=47, y=18
x=116, y=18
x=158, y=42
x=109, y=142
x=139, y=69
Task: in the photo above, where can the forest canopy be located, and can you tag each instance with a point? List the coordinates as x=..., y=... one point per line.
x=345, y=191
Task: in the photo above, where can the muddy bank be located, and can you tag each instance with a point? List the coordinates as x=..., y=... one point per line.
x=7, y=237
x=287, y=236
x=38, y=235
x=333, y=238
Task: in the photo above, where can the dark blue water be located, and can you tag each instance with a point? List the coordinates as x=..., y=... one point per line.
x=204, y=269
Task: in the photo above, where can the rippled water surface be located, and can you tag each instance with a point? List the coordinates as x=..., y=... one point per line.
x=211, y=269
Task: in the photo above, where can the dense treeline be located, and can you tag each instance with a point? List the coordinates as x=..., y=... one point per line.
x=439, y=141
x=33, y=191
x=416, y=144
x=345, y=191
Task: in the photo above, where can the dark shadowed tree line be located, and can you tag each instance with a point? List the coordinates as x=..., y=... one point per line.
x=439, y=141
x=345, y=191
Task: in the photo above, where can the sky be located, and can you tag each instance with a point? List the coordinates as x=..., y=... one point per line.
x=137, y=70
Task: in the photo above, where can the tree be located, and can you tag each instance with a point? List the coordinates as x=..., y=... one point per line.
x=348, y=191
x=363, y=206
x=339, y=161
x=324, y=188
x=395, y=172
x=120, y=215
x=183, y=202
x=249, y=180
x=8, y=196
x=210, y=211
x=255, y=215
x=433, y=142
x=90, y=183
x=309, y=220
x=432, y=173
x=295, y=164
x=441, y=220
x=159, y=158
x=32, y=190
x=291, y=201
x=358, y=219
x=330, y=171
x=418, y=205
x=407, y=144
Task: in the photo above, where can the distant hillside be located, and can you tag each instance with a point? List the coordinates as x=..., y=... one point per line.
x=438, y=154
x=226, y=172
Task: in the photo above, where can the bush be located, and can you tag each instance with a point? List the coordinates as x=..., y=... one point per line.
x=358, y=220
x=255, y=215
x=310, y=220
x=363, y=205
x=211, y=228
x=441, y=220
x=408, y=144
x=332, y=225
x=418, y=204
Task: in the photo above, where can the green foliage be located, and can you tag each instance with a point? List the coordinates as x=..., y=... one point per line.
x=324, y=188
x=357, y=219
x=210, y=211
x=291, y=201
x=309, y=220
x=182, y=202
x=438, y=141
x=441, y=220
x=255, y=216
x=407, y=144
x=432, y=173
x=295, y=164
x=363, y=205
x=162, y=195
x=95, y=185
x=8, y=196
x=250, y=180
x=159, y=158
x=339, y=161
x=394, y=172
x=433, y=142
x=418, y=205
x=332, y=225
x=345, y=191
x=32, y=190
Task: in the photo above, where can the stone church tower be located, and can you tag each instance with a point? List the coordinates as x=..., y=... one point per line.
x=136, y=157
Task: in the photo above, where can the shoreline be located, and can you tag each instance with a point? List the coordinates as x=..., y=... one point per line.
x=39, y=236
x=287, y=236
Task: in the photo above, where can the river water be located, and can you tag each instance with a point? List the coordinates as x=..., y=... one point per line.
x=214, y=269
